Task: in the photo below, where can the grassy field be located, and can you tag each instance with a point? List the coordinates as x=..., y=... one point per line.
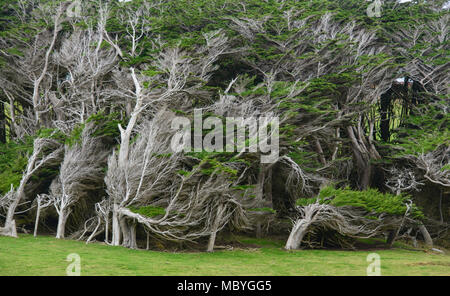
x=47, y=256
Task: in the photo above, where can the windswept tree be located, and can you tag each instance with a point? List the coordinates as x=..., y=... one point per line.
x=46, y=152
x=156, y=191
x=81, y=173
x=339, y=216
x=174, y=75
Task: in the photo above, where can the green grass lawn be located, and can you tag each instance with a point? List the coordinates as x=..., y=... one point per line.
x=47, y=256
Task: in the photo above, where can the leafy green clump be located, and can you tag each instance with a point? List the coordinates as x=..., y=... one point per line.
x=13, y=161
x=14, y=158
x=303, y=202
x=106, y=125
x=423, y=132
x=51, y=133
x=370, y=200
x=213, y=165
x=213, y=162
x=244, y=187
x=270, y=210
x=148, y=211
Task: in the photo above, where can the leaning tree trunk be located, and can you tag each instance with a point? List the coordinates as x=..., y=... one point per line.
x=212, y=238
x=260, y=195
x=62, y=219
x=132, y=229
x=12, y=115
x=9, y=229
x=148, y=241
x=116, y=233
x=125, y=232
x=10, y=225
x=37, y=82
x=106, y=230
x=426, y=235
x=95, y=232
x=125, y=136
x=301, y=226
x=129, y=233
x=363, y=152
x=268, y=187
x=2, y=124
x=393, y=236
x=297, y=234
x=36, y=223
x=34, y=163
x=43, y=201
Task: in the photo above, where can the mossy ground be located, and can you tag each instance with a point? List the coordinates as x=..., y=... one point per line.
x=45, y=255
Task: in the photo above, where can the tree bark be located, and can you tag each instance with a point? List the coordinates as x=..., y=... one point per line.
x=10, y=224
x=36, y=222
x=362, y=160
x=319, y=151
x=212, y=238
x=297, y=234
x=116, y=233
x=336, y=148
x=301, y=226
x=391, y=238
x=268, y=187
x=129, y=233
x=125, y=135
x=440, y=207
x=385, y=102
x=426, y=235
x=132, y=229
x=94, y=233
x=258, y=229
x=125, y=232
x=2, y=123
x=9, y=229
x=260, y=185
x=106, y=230
x=37, y=82
x=12, y=115
x=62, y=219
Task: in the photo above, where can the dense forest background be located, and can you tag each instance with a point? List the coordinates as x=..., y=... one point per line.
x=88, y=91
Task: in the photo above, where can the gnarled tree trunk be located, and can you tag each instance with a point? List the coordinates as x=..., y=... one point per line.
x=426, y=235
x=62, y=219
x=301, y=226
x=116, y=233
x=129, y=233
x=212, y=238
